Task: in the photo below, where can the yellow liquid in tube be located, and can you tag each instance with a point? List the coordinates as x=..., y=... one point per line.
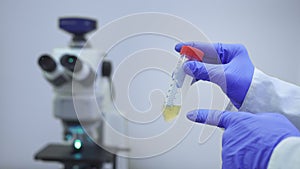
x=170, y=112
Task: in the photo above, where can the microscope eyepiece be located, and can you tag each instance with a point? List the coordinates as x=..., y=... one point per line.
x=71, y=62
x=51, y=71
x=78, y=69
x=47, y=63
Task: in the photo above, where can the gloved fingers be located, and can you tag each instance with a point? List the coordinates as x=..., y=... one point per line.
x=207, y=72
x=209, y=50
x=205, y=116
x=216, y=53
x=196, y=69
x=217, y=118
x=230, y=52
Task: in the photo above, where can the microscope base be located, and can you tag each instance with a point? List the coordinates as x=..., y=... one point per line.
x=87, y=158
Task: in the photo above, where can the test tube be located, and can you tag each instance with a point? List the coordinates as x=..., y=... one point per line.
x=180, y=81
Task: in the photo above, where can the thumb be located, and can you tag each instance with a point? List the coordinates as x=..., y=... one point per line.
x=178, y=46
x=217, y=118
x=208, y=49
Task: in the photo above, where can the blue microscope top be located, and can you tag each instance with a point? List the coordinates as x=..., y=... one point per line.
x=77, y=26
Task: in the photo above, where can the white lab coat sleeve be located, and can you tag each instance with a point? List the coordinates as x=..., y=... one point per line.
x=269, y=94
x=286, y=154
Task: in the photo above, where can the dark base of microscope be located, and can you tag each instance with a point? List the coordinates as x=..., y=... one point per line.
x=93, y=157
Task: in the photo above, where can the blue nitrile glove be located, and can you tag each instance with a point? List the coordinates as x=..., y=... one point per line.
x=232, y=69
x=248, y=139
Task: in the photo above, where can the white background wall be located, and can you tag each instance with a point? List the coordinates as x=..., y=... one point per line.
x=269, y=29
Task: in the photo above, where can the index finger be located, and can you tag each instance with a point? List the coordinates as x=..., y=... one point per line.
x=223, y=119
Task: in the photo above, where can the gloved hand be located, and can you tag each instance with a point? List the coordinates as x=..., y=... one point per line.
x=248, y=139
x=232, y=69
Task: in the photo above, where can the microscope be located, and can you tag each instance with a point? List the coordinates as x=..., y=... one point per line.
x=64, y=69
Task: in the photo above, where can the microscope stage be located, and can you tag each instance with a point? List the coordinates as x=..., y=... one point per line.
x=66, y=154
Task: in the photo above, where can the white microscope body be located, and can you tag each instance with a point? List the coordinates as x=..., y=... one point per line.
x=79, y=99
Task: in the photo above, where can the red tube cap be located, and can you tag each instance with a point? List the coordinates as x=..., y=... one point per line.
x=192, y=53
